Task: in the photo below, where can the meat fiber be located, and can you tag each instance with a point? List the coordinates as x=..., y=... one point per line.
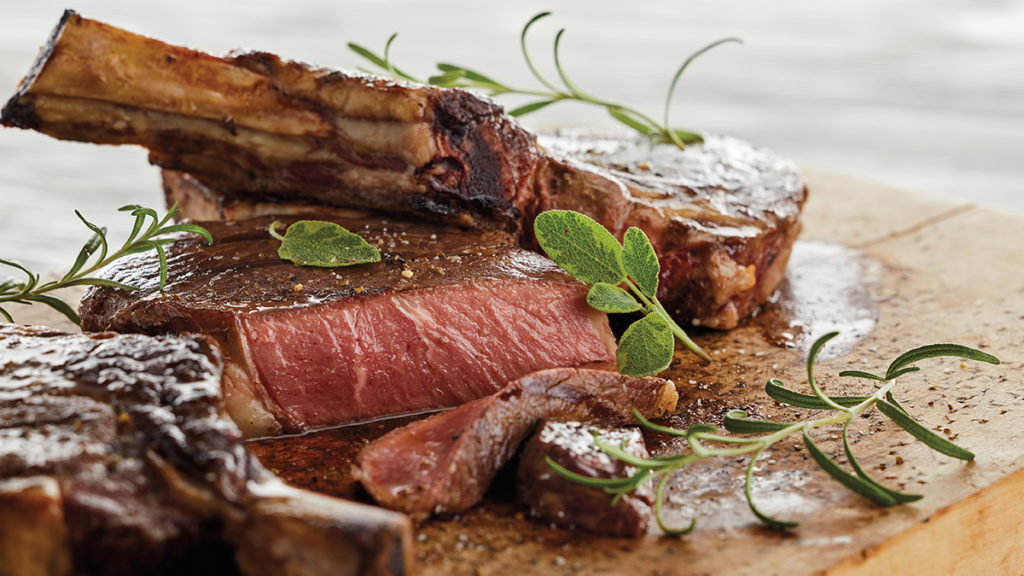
x=116, y=458
x=722, y=215
x=444, y=464
x=553, y=499
x=446, y=317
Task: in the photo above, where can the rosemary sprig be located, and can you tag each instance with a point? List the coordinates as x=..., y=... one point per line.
x=754, y=437
x=141, y=239
x=455, y=76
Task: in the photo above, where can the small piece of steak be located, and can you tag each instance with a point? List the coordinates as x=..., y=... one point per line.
x=116, y=458
x=446, y=317
x=553, y=499
x=721, y=214
x=444, y=464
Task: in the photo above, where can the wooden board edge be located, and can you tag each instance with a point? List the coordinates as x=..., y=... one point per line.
x=981, y=534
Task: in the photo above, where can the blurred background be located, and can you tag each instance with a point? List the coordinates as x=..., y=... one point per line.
x=927, y=96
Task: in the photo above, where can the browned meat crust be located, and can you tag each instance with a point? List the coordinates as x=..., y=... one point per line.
x=722, y=215
x=553, y=499
x=116, y=458
x=445, y=463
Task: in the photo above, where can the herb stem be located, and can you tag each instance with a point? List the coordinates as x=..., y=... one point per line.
x=654, y=305
x=755, y=437
x=79, y=274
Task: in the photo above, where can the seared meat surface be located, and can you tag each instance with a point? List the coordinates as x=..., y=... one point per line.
x=255, y=129
x=116, y=458
x=553, y=499
x=444, y=464
x=447, y=316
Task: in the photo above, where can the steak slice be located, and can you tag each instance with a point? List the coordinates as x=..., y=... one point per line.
x=446, y=317
x=444, y=464
x=553, y=499
x=116, y=458
x=722, y=214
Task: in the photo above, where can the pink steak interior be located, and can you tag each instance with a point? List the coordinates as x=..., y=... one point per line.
x=418, y=350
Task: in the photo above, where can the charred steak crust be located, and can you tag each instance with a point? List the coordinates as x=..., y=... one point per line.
x=444, y=464
x=552, y=499
x=262, y=125
x=447, y=316
x=722, y=214
x=116, y=458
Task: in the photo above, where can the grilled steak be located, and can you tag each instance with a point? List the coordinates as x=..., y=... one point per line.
x=443, y=464
x=447, y=316
x=115, y=458
x=722, y=215
x=553, y=499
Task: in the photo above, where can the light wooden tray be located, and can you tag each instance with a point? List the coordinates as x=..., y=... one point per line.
x=932, y=271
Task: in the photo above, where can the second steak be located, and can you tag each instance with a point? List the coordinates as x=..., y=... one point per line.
x=446, y=317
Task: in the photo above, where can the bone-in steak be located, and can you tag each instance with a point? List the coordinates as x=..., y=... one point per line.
x=722, y=215
x=116, y=458
x=445, y=463
x=446, y=317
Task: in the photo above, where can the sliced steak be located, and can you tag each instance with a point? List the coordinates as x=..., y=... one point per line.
x=443, y=464
x=446, y=317
x=116, y=458
x=553, y=499
x=722, y=214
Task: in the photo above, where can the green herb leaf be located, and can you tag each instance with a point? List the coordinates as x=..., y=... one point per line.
x=141, y=239
x=58, y=305
x=778, y=392
x=325, y=245
x=935, y=351
x=854, y=483
x=611, y=299
x=736, y=421
x=899, y=497
x=629, y=120
x=640, y=261
x=581, y=246
x=531, y=107
x=931, y=439
x=861, y=374
x=646, y=347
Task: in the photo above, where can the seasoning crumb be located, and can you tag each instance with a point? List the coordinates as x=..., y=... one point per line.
x=297, y=288
x=359, y=290
x=406, y=274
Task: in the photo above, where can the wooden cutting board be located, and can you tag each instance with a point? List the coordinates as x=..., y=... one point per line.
x=892, y=270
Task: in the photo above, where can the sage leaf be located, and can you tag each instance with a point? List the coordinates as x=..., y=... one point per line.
x=777, y=391
x=646, y=347
x=929, y=438
x=325, y=245
x=935, y=351
x=581, y=246
x=736, y=421
x=854, y=483
x=640, y=261
x=611, y=299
